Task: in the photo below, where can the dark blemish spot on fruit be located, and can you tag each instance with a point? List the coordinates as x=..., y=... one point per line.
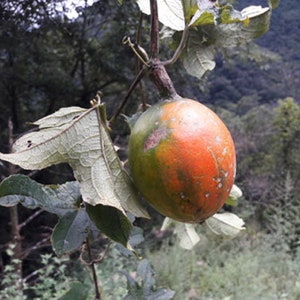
x=154, y=138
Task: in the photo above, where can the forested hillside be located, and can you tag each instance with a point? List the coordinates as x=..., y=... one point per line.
x=48, y=61
x=267, y=73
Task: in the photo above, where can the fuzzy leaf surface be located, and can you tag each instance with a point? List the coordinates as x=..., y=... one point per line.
x=31, y=194
x=177, y=14
x=198, y=56
x=202, y=43
x=211, y=27
x=79, y=137
x=170, y=12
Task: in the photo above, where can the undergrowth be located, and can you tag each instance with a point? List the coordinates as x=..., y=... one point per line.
x=250, y=267
x=247, y=268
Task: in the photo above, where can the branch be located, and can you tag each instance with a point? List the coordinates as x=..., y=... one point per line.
x=30, y=218
x=162, y=80
x=140, y=53
x=12, y=169
x=95, y=260
x=158, y=73
x=129, y=92
x=154, y=35
x=95, y=278
x=138, y=63
x=41, y=244
x=179, y=49
x=33, y=274
x=155, y=66
x=15, y=234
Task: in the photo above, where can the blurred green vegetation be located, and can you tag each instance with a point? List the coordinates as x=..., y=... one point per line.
x=249, y=267
x=48, y=61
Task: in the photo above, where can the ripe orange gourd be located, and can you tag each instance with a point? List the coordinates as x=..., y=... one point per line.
x=182, y=159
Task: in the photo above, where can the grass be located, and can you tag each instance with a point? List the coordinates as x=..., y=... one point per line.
x=250, y=267
x=247, y=268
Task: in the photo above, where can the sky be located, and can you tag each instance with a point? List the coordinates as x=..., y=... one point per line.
x=70, y=5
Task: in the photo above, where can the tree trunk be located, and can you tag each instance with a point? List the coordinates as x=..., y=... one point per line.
x=16, y=239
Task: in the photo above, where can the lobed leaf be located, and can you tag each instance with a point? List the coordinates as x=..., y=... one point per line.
x=79, y=137
x=198, y=56
x=177, y=14
x=62, y=117
x=170, y=12
x=211, y=27
x=203, y=42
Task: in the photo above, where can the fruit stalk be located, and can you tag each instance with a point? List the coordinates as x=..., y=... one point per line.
x=161, y=79
x=158, y=73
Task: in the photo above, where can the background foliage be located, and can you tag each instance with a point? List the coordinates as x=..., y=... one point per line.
x=48, y=61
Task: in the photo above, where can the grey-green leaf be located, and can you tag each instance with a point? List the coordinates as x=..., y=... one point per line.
x=226, y=224
x=188, y=237
x=204, y=41
x=77, y=291
x=206, y=13
x=162, y=294
x=79, y=137
x=70, y=232
x=170, y=12
x=31, y=194
x=186, y=233
x=198, y=56
x=112, y=222
x=62, y=117
x=144, y=287
x=190, y=8
x=274, y=3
